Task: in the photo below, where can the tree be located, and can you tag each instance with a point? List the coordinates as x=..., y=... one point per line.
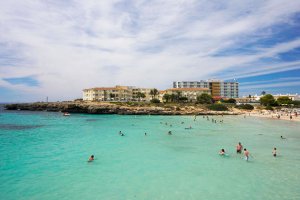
x=167, y=97
x=263, y=93
x=204, y=99
x=183, y=99
x=284, y=100
x=140, y=95
x=267, y=100
x=153, y=93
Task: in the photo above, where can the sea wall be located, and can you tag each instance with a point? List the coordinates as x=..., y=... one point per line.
x=110, y=108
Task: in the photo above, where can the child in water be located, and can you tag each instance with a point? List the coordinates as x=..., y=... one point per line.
x=246, y=153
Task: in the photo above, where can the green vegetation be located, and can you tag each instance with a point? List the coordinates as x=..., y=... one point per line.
x=140, y=95
x=217, y=107
x=155, y=101
x=204, y=99
x=269, y=108
x=245, y=107
x=296, y=104
x=231, y=100
x=154, y=93
x=284, y=100
x=267, y=100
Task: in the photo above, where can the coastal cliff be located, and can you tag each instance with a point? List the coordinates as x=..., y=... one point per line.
x=119, y=108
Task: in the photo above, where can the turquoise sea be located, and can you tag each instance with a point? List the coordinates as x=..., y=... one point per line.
x=44, y=155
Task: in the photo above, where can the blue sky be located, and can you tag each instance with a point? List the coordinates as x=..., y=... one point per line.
x=57, y=48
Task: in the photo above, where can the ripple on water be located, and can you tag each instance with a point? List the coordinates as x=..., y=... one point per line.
x=18, y=127
x=92, y=120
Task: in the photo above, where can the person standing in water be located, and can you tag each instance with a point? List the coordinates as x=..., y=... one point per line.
x=246, y=153
x=274, y=152
x=145, y=134
x=239, y=148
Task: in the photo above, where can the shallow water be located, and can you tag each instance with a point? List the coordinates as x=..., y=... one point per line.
x=46, y=157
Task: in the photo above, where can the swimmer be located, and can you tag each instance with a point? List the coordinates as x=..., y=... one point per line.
x=222, y=152
x=274, y=152
x=122, y=134
x=91, y=158
x=282, y=137
x=246, y=154
x=145, y=134
x=239, y=148
x=169, y=133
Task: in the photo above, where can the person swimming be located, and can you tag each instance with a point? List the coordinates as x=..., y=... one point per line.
x=145, y=134
x=239, y=148
x=222, y=152
x=274, y=152
x=122, y=134
x=169, y=133
x=246, y=154
x=91, y=158
x=282, y=137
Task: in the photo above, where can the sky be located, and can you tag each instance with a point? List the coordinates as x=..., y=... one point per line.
x=56, y=48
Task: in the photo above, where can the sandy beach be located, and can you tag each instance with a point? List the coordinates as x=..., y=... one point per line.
x=274, y=115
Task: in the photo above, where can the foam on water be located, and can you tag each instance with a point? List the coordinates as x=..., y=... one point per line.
x=50, y=161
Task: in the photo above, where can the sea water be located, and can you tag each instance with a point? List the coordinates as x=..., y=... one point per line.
x=44, y=155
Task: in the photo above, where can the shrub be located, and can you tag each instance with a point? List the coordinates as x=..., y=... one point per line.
x=245, y=107
x=217, y=107
x=204, y=99
x=155, y=101
x=269, y=108
x=231, y=100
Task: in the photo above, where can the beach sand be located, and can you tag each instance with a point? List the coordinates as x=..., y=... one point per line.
x=273, y=115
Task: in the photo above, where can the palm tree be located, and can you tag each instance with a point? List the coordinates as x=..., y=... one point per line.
x=153, y=93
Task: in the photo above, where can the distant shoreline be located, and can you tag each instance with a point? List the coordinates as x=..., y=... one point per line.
x=120, y=108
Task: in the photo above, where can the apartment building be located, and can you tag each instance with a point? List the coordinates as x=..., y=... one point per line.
x=218, y=88
x=117, y=93
x=190, y=93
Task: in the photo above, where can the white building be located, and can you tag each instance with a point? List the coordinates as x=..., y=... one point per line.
x=294, y=97
x=219, y=88
x=117, y=93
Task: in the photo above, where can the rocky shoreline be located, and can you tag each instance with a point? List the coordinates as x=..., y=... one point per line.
x=121, y=109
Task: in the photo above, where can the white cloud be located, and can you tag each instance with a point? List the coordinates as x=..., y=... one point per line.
x=71, y=45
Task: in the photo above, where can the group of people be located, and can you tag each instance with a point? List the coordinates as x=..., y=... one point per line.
x=239, y=148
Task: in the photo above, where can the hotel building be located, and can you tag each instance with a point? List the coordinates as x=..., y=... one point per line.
x=218, y=88
x=117, y=93
x=190, y=93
